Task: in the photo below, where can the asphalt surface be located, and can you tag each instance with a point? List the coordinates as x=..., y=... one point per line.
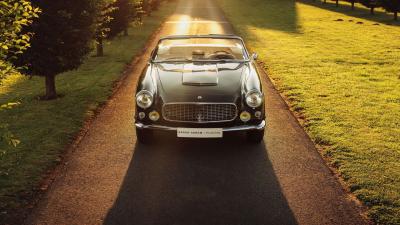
x=111, y=179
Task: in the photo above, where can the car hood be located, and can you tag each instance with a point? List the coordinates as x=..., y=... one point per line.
x=194, y=82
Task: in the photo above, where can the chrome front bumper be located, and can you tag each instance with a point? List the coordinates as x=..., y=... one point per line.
x=225, y=129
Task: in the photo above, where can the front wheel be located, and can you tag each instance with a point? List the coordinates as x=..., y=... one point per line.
x=144, y=136
x=255, y=136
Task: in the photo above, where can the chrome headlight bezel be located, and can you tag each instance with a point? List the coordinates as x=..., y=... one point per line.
x=144, y=95
x=254, y=98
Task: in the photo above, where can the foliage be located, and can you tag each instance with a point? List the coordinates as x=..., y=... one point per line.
x=150, y=5
x=14, y=16
x=343, y=77
x=5, y=135
x=105, y=9
x=126, y=12
x=63, y=37
x=139, y=8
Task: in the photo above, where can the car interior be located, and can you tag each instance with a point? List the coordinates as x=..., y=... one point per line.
x=172, y=50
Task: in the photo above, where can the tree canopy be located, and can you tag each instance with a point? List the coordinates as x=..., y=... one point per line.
x=124, y=14
x=63, y=37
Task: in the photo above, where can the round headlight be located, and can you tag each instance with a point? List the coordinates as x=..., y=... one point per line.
x=254, y=99
x=144, y=99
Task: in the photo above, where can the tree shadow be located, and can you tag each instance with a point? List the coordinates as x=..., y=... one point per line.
x=200, y=182
x=277, y=15
x=358, y=12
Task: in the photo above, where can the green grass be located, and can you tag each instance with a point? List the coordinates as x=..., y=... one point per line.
x=340, y=69
x=46, y=128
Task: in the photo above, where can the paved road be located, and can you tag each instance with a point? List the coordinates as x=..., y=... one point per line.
x=111, y=179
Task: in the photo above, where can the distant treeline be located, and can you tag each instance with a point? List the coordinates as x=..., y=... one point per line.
x=392, y=6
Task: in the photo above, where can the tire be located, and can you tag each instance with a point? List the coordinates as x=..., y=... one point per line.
x=144, y=136
x=255, y=136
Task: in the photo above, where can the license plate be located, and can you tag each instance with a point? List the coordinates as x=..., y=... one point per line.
x=200, y=132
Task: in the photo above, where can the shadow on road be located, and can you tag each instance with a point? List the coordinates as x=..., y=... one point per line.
x=214, y=182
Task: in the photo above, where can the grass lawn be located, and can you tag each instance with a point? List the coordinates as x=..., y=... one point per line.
x=340, y=69
x=45, y=128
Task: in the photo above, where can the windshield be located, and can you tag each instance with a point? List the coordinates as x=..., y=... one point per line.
x=200, y=49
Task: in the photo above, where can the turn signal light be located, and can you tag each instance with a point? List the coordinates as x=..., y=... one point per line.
x=154, y=115
x=245, y=116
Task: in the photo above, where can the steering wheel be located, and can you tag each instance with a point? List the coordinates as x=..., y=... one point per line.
x=221, y=54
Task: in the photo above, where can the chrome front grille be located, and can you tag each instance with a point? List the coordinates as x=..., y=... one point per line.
x=199, y=112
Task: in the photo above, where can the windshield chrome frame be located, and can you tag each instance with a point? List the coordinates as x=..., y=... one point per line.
x=210, y=36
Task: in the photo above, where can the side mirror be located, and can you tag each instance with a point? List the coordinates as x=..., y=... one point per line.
x=254, y=56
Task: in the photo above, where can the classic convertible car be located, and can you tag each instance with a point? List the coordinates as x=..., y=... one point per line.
x=200, y=86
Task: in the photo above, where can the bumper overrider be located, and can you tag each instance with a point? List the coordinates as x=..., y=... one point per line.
x=245, y=127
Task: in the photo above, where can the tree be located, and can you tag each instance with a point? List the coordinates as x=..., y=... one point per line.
x=104, y=17
x=150, y=5
x=154, y=4
x=14, y=16
x=63, y=37
x=123, y=15
x=352, y=3
x=146, y=7
x=337, y=3
x=392, y=6
x=139, y=9
x=372, y=4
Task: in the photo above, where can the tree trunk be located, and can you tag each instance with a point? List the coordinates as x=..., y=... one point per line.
x=99, y=47
x=324, y=1
x=372, y=10
x=126, y=32
x=395, y=16
x=352, y=5
x=50, y=88
x=337, y=3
